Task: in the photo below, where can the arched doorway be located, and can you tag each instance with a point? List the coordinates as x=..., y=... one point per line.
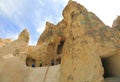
x=30, y=62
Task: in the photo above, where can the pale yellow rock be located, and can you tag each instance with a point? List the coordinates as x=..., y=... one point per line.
x=84, y=46
x=89, y=40
x=16, y=48
x=13, y=71
x=112, y=63
x=4, y=42
x=44, y=74
x=24, y=35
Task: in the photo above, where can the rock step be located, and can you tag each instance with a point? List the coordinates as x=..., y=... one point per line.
x=112, y=79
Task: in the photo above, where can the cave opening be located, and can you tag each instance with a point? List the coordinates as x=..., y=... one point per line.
x=60, y=47
x=105, y=66
x=30, y=62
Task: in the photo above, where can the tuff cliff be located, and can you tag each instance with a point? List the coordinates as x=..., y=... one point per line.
x=83, y=44
x=84, y=47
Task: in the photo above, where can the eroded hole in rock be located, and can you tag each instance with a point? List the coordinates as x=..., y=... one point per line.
x=52, y=62
x=105, y=66
x=60, y=47
x=30, y=62
x=59, y=52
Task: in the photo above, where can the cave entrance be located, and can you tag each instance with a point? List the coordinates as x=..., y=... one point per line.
x=60, y=47
x=30, y=62
x=59, y=51
x=105, y=66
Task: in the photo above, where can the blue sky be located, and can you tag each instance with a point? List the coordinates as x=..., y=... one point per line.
x=15, y=15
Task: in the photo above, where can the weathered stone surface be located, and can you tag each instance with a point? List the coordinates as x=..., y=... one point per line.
x=111, y=64
x=13, y=71
x=49, y=41
x=116, y=23
x=24, y=35
x=82, y=39
x=89, y=40
x=4, y=42
x=78, y=42
x=35, y=55
x=16, y=48
x=44, y=74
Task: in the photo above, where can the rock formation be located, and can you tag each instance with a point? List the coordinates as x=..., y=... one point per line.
x=112, y=66
x=86, y=49
x=4, y=42
x=84, y=43
x=17, y=48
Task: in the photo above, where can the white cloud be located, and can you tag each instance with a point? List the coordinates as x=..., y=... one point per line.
x=41, y=3
x=13, y=10
x=40, y=27
x=106, y=10
x=32, y=42
x=11, y=7
x=54, y=8
x=12, y=36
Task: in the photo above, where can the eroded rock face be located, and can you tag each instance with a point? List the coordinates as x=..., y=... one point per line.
x=4, y=42
x=35, y=55
x=89, y=40
x=111, y=63
x=85, y=40
x=78, y=42
x=24, y=35
x=116, y=23
x=51, y=42
x=16, y=48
